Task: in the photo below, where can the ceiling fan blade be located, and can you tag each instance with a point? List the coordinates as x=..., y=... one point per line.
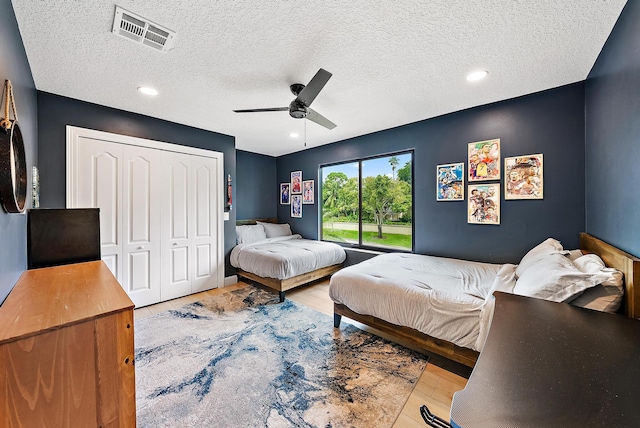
x=257, y=110
x=316, y=117
x=311, y=91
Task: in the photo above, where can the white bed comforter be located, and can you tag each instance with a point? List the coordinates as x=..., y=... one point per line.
x=445, y=298
x=285, y=256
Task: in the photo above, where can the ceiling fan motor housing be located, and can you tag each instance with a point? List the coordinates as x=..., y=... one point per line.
x=297, y=110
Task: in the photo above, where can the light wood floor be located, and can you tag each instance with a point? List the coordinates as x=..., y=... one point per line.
x=435, y=387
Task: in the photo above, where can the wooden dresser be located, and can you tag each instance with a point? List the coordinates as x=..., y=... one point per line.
x=66, y=350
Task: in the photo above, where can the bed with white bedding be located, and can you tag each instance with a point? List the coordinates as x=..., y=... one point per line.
x=271, y=255
x=445, y=305
x=397, y=288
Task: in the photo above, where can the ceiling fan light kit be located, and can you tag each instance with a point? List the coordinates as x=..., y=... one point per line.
x=300, y=106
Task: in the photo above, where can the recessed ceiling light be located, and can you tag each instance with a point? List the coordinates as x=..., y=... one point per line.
x=147, y=90
x=294, y=135
x=477, y=75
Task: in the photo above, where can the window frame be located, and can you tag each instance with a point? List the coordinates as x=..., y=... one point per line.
x=360, y=161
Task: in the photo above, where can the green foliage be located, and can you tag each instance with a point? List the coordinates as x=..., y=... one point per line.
x=384, y=199
x=404, y=173
x=339, y=196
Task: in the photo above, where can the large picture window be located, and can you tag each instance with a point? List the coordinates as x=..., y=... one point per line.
x=369, y=202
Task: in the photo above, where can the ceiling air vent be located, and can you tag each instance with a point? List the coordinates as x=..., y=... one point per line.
x=138, y=29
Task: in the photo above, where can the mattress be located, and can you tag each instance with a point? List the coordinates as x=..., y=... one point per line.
x=444, y=298
x=284, y=257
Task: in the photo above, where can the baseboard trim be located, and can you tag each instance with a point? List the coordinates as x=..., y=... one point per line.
x=230, y=280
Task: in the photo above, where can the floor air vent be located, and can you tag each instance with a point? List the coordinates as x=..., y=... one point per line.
x=140, y=30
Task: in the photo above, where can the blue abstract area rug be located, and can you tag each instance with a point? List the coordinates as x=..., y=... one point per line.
x=241, y=359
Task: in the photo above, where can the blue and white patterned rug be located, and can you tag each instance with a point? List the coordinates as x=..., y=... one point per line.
x=241, y=359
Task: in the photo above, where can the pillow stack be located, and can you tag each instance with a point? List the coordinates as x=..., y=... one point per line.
x=260, y=231
x=547, y=272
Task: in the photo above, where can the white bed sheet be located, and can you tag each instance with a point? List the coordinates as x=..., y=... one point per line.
x=284, y=257
x=441, y=297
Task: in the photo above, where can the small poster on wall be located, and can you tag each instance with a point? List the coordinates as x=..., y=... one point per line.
x=450, y=182
x=484, y=160
x=484, y=203
x=296, y=206
x=284, y=193
x=523, y=177
x=308, y=192
x=296, y=182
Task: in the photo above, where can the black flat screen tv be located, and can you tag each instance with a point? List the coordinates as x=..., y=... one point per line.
x=62, y=236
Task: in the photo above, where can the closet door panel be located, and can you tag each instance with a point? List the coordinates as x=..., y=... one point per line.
x=139, y=278
x=203, y=181
x=205, y=237
x=180, y=265
x=203, y=261
x=177, y=226
x=141, y=224
x=99, y=185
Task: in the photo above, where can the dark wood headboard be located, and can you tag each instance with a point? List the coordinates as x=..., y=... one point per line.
x=626, y=263
x=253, y=221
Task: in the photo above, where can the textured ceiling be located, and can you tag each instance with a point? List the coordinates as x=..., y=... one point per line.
x=393, y=62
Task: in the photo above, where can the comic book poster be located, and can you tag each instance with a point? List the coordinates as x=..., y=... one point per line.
x=523, y=177
x=484, y=203
x=284, y=193
x=484, y=160
x=296, y=206
x=308, y=192
x=450, y=182
x=296, y=182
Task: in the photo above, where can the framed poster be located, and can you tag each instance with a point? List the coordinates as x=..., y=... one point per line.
x=284, y=193
x=308, y=191
x=484, y=203
x=450, y=182
x=296, y=182
x=523, y=177
x=296, y=206
x=484, y=160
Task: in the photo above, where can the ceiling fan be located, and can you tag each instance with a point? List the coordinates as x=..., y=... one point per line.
x=299, y=107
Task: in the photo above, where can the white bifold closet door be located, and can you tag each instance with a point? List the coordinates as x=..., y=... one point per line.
x=159, y=226
x=187, y=233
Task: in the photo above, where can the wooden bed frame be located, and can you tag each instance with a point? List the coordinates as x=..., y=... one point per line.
x=612, y=256
x=282, y=285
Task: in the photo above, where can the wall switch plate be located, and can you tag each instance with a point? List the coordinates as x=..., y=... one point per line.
x=226, y=215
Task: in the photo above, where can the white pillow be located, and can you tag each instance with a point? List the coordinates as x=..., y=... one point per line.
x=574, y=254
x=605, y=297
x=589, y=263
x=592, y=263
x=554, y=277
x=274, y=230
x=250, y=233
x=549, y=246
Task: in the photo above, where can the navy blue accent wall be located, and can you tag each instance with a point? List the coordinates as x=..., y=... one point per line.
x=55, y=112
x=613, y=136
x=549, y=122
x=257, y=196
x=15, y=67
